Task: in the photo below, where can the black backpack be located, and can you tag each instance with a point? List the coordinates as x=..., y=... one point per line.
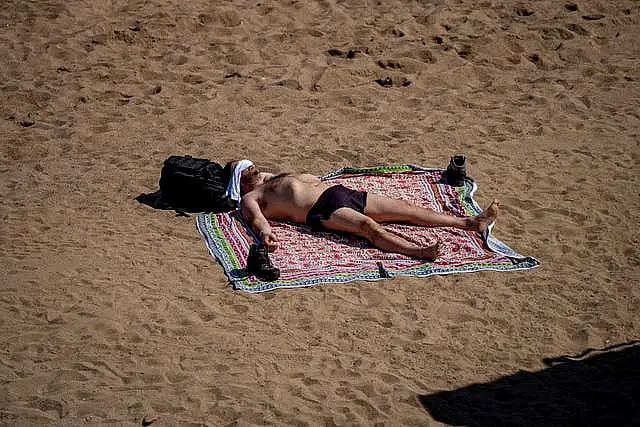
x=188, y=184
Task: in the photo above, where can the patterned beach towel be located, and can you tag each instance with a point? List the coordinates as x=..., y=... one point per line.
x=308, y=258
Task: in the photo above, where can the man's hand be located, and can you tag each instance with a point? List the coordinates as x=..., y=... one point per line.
x=269, y=239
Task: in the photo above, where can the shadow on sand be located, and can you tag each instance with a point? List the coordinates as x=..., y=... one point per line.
x=601, y=389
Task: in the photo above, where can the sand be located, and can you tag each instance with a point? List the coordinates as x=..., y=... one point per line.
x=113, y=313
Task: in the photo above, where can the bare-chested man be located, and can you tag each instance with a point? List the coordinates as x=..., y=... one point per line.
x=305, y=199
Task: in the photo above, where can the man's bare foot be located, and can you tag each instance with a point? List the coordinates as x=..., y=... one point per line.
x=430, y=253
x=479, y=223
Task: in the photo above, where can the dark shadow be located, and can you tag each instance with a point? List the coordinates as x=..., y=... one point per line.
x=346, y=239
x=599, y=390
x=332, y=236
x=155, y=201
x=239, y=273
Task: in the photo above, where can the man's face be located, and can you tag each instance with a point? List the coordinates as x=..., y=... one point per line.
x=249, y=178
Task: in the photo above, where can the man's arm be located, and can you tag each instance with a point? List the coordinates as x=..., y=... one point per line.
x=250, y=208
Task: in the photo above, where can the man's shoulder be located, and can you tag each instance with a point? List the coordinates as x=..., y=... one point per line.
x=255, y=194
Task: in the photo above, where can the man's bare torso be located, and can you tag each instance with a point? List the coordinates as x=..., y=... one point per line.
x=288, y=197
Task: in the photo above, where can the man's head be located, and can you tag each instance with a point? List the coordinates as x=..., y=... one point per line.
x=241, y=176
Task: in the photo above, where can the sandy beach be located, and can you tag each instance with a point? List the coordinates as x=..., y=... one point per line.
x=113, y=313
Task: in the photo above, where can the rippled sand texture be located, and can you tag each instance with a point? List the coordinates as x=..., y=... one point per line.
x=114, y=313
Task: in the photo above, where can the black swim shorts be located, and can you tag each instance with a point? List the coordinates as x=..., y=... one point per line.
x=334, y=198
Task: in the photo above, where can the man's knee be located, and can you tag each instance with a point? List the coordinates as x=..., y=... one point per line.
x=370, y=228
x=407, y=206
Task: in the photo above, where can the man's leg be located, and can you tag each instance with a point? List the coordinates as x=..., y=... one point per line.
x=347, y=220
x=384, y=209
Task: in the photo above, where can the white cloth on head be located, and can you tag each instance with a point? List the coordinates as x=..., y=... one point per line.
x=233, y=188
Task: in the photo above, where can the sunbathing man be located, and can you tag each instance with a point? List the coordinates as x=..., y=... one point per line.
x=305, y=199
